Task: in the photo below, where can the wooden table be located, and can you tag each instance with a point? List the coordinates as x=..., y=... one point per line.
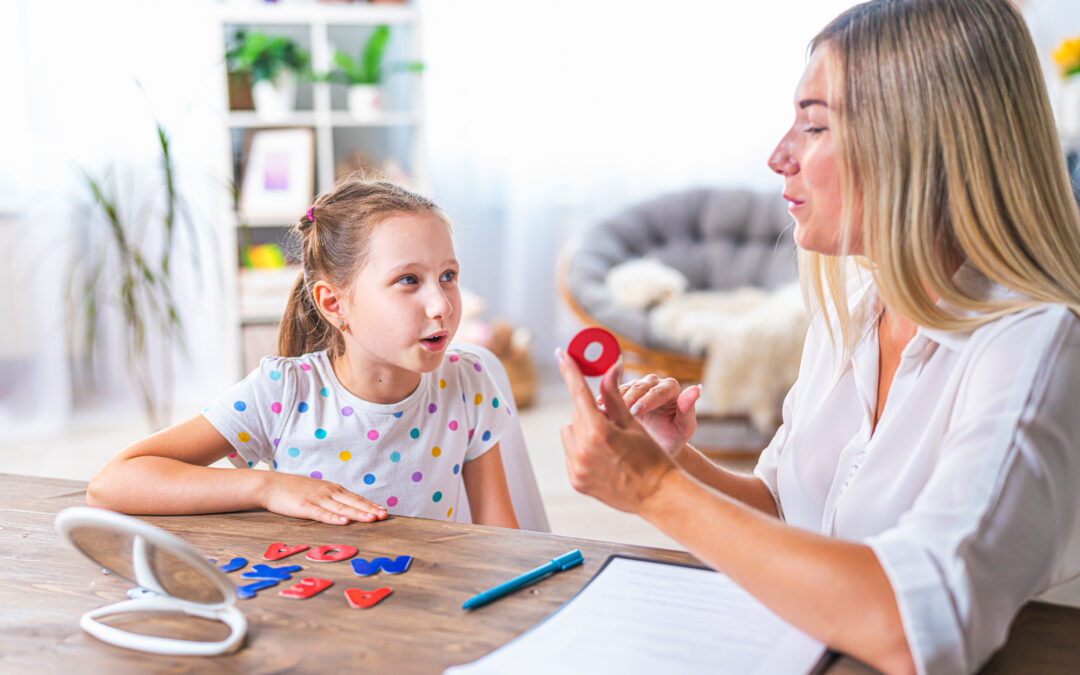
x=46, y=585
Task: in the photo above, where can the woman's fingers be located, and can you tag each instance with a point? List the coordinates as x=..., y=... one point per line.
x=662, y=393
x=613, y=403
x=585, y=407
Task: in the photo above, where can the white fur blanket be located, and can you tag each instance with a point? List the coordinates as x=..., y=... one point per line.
x=752, y=338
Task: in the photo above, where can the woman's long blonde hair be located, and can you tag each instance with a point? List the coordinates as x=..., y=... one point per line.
x=948, y=149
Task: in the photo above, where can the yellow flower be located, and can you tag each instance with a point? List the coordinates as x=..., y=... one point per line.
x=1067, y=56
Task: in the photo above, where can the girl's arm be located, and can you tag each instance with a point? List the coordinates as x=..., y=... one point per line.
x=489, y=496
x=833, y=590
x=168, y=473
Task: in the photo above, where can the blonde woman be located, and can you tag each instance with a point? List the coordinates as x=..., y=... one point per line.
x=923, y=485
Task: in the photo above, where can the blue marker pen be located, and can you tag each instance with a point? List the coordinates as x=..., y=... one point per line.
x=563, y=562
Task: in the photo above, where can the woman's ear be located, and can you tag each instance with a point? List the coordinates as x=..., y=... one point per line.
x=328, y=301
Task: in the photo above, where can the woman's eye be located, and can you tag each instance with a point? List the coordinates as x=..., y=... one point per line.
x=448, y=275
x=407, y=279
x=814, y=131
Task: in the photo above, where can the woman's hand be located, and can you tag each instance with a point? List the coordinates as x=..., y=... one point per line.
x=609, y=455
x=315, y=499
x=663, y=408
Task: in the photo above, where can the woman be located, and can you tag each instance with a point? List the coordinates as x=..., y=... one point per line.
x=922, y=485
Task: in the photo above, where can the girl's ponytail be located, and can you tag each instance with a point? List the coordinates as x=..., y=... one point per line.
x=303, y=328
x=331, y=241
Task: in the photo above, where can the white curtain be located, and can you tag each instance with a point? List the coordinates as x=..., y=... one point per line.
x=544, y=117
x=85, y=83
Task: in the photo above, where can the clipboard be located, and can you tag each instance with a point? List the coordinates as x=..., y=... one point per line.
x=637, y=615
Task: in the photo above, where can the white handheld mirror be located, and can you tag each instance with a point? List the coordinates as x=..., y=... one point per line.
x=184, y=581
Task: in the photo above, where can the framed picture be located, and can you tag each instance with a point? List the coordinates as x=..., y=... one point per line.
x=279, y=176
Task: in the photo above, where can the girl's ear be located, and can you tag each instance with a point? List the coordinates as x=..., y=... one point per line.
x=327, y=300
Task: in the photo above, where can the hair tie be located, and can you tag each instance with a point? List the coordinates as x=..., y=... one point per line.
x=310, y=216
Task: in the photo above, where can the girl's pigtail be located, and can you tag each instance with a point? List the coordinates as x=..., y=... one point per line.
x=302, y=330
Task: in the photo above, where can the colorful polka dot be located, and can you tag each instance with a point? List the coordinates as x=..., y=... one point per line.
x=251, y=464
x=436, y=451
x=275, y=464
x=398, y=415
x=369, y=479
x=478, y=399
x=320, y=434
x=453, y=425
x=395, y=456
x=417, y=477
x=391, y=501
x=477, y=367
x=344, y=455
x=294, y=452
x=275, y=375
x=232, y=454
x=457, y=467
x=275, y=407
x=494, y=403
x=240, y=406
x=347, y=411
x=442, y=384
x=471, y=433
x=432, y=407
x=324, y=392
x=304, y=366
x=373, y=435
x=303, y=407
x=486, y=436
x=453, y=357
x=415, y=433
x=436, y=497
x=449, y=511
x=243, y=437
x=276, y=441
x=316, y=474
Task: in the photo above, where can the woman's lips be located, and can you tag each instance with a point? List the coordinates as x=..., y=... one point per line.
x=793, y=203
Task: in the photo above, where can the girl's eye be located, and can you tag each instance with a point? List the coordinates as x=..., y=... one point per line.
x=448, y=275
x=407, y=279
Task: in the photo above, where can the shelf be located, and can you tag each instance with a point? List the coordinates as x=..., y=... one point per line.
x=246, y=119
x=343, y=14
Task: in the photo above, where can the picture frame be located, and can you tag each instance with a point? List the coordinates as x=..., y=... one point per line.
x=278, y=183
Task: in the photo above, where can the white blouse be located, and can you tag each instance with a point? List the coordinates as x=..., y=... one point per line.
x=968, y=491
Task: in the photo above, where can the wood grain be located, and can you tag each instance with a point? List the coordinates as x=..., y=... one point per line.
x=46, y=585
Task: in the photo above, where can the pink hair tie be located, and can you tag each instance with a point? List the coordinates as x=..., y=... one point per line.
x=310, y=216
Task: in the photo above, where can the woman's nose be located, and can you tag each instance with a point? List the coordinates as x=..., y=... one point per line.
x=781, y=160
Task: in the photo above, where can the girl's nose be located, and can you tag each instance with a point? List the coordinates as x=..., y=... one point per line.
x=439, y=306
x=781, y=160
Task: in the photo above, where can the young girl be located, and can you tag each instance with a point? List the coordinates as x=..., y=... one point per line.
x=366, y=412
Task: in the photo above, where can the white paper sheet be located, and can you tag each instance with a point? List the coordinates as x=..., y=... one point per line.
x=639, y=616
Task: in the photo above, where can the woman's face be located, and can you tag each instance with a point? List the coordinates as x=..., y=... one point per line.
x=805, y=158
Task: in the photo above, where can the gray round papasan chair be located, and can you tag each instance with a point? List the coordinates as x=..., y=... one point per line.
x=719, y=239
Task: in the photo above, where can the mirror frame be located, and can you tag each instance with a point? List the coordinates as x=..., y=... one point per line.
x=71, y=519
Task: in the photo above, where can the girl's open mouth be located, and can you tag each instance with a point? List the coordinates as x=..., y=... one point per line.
x=435, y=343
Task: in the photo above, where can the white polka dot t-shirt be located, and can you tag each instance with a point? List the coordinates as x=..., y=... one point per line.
x=294, y=414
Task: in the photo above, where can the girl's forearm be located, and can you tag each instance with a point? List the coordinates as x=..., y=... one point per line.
x=835, y=591
x=748, y=489
x=164, y=486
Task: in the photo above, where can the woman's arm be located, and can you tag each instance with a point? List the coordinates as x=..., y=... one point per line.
x=485, y=486
x=168, y=473
x=833, y=590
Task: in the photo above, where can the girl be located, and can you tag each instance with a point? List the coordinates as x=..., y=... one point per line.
x=366, y=412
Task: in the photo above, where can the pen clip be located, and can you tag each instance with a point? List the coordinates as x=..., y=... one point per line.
x=568, y=560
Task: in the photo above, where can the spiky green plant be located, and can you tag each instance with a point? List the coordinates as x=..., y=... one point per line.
x=369, y=69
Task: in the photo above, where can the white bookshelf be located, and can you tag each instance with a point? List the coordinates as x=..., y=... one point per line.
x=397, y=135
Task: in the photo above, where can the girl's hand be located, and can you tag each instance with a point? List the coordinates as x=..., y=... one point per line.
x=315, y=499
x=663, y=408
x=609, y=455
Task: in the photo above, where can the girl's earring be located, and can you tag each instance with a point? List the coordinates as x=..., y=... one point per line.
x=341, y=325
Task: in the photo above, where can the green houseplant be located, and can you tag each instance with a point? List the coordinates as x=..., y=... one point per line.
x=364, y=77
x=125, y=264
x=274, y=64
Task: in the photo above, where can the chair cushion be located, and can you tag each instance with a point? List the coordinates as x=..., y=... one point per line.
x=719, y=239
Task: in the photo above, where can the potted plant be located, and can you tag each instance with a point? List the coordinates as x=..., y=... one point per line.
x=274, y=65
x=364, y=77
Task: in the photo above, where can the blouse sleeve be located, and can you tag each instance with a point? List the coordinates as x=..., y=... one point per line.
x=250, y=414
x=486, y=409
x=997, y=520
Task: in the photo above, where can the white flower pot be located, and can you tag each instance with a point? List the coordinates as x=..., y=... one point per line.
x=275, y=101
x=365, y=101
